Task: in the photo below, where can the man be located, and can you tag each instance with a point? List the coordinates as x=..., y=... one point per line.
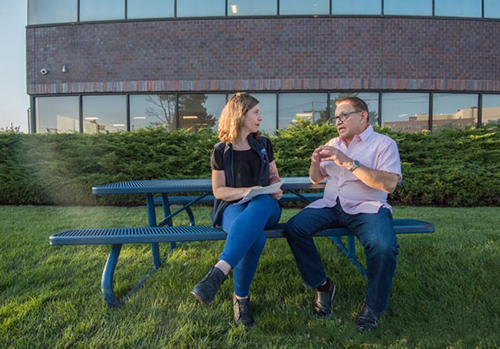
x=361, y=167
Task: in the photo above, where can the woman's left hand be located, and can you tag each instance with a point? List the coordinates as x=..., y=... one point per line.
x=277, y=194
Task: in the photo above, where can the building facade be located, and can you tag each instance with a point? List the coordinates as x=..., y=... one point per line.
x=117, y=65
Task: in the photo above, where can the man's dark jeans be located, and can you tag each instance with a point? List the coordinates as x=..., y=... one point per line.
x=374, y=230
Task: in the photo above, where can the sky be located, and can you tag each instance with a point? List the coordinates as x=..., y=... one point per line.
x=14, y=100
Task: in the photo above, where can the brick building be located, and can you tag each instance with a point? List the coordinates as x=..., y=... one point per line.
x=99, y=66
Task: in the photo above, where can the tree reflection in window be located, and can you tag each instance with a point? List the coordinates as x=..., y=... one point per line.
x=200, y=110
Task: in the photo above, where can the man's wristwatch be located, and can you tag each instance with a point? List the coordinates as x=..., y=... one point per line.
x=355, y=165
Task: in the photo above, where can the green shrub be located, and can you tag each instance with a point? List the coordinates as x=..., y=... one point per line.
x=451, y=167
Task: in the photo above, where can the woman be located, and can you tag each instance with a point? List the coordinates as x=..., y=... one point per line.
x=241, y=161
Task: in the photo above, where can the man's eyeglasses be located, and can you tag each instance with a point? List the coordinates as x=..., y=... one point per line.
x=344, y=116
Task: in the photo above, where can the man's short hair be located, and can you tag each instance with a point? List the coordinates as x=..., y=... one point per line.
x=356, y=102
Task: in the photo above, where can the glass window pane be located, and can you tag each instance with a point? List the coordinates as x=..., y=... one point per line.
x=302, y=105
x=491, y=8
x=410, y=7
x=200, y=110
x=57, y=114
x=201, y=8
x=301, y=7
x=52, y=11
x=102, y=114
x=458, y=8
x=150, y=8
x=98, y=10
x=267, y=103
x=405, y=112
x=152, y=111
x=357, y=7
x=252, y=7
x=371, y=99
x=454, y=111
x=491, y=109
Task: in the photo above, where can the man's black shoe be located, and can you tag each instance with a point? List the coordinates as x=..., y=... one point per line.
x=243, y=312
x=206, y=289
x=366, y=320
x=323, y=302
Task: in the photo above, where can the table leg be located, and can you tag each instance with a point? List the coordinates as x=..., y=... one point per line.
x=107, y=277
x=167, y=213
x=155, y=248
x=350, y=251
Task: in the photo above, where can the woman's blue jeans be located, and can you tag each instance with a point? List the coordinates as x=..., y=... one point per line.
x=246, y=239
x=374, y=230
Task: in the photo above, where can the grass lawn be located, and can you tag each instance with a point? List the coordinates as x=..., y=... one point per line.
x=446, y=290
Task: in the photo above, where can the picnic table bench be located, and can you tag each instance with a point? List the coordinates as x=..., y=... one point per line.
x=166, y=233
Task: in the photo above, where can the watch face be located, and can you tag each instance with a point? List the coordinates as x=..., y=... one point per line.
x=354, y=166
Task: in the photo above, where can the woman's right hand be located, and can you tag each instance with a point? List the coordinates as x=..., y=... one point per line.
x=250, y=189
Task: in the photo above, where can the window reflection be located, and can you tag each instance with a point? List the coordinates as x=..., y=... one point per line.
x=371, y=99
x=200, y=110
x=405, y=112
x=52, y=11
x=458, y=8
x=457, y=111
x=152, y=111
x=57, y=114
x=150, y=8
x=98, y=10
x=410, y=7
x=491, y=8
x=103, y=114
x=491, y=109
x=300, y=7
x=357, y=7
x=251, y=7
x=267, y=103
x=302, y=105
x=201, y=8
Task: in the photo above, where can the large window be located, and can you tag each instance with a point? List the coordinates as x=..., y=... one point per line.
x=300, y=7
x=408, y=7
x=201, y=8
x=200, y=110
x=52, y=11
x=491, y=8
x=57, y=114
x=405, y=112
x=267, y=103
x=103, y=114
x=491, y=109
x=152, y=110
x=98, y=10
x=371, y=100
x=359, y=7
x=457, y=111
x=302, y=105
x=150, y=8
x=458, y=8
x=251, y=7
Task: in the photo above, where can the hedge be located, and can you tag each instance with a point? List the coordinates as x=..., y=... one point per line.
x=450, y=167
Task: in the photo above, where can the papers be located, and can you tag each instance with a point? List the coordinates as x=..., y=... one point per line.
x=260, y=191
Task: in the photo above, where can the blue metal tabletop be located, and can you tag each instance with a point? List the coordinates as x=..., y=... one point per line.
x=186, y=185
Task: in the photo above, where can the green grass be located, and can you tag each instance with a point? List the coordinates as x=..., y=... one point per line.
x=446, y=290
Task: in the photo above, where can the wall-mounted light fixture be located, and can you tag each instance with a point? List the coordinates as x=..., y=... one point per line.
x=63, y=69
x=44, y=71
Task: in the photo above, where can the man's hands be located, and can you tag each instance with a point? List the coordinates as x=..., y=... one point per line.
x=326, y=153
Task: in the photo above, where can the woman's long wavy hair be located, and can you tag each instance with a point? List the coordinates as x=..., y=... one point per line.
x=232, y=116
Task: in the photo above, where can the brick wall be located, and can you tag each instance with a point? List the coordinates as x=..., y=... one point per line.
x=265, y=54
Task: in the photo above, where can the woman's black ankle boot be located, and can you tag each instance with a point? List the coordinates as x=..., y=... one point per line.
x=206, y=289
x=243, y=312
